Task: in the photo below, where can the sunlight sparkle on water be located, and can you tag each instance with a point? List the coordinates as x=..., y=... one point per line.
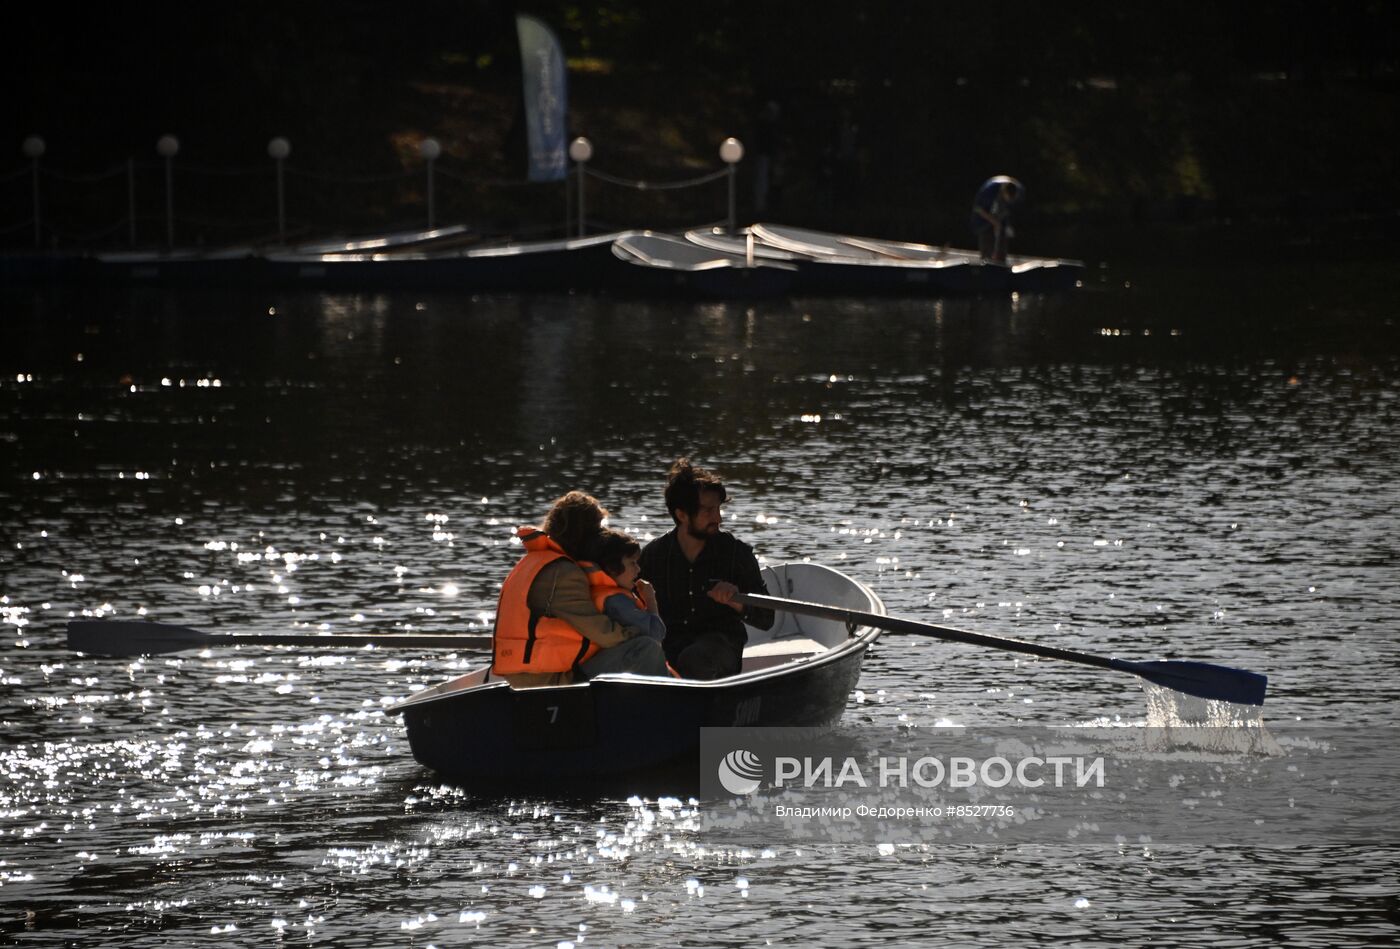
x=1024, y=528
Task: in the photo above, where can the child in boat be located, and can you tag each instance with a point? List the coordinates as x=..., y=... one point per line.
x=618, y=591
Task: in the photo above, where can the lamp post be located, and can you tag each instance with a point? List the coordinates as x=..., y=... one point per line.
x=131, y=200
x=731, y=152
x=278, y=149
x=430, y=150
x=580, y=151
x=34, y=150
x=168, y=146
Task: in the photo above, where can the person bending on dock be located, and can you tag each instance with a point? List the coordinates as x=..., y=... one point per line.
x=991, y=215
x=705, y=632
x=548, y=630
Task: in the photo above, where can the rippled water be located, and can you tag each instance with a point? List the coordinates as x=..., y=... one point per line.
x=1200, y=464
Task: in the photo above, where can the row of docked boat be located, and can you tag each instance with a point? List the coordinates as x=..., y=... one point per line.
x=762, y=260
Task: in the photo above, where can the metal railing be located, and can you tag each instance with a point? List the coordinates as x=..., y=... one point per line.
x=172, y=200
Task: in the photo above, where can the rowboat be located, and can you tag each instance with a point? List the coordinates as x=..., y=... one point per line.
x=381, y=243
x=248, y=264
x=833, y=268
x=657, y=263
x=228, y=266
x=477, y=729
x=843, y=263
x=573, y=264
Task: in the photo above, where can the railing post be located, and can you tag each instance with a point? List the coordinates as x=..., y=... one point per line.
x=34, y=150
x=430, y=149
x=131, y=200
x=278, y=149
x=731, y=152
x=581, y=150
x=168, y=147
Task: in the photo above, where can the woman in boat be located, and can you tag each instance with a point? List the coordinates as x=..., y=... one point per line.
x=548, y=630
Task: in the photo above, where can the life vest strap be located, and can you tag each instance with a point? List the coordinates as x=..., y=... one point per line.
x=582, y=650
x=530, y=636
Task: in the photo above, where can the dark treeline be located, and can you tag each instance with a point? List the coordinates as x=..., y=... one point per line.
x=872, y=115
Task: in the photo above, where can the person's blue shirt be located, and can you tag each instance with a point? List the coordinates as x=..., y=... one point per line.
x=621, y=608
x=989, y=199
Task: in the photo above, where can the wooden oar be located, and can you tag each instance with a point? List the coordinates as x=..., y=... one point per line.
x=1201, y=679
x=140, y=638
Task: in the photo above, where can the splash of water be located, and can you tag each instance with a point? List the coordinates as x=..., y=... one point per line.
x=1180, y=721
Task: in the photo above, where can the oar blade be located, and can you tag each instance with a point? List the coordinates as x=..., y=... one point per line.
x=1201, y=679
x=132, y=638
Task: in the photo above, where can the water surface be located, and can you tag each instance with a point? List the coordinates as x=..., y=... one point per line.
x=1186, y=462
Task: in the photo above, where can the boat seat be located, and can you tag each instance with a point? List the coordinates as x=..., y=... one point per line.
x=777, y=652
x=797, y=646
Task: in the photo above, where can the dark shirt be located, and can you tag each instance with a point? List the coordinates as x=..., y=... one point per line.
x=988, y=198
x=681, y=589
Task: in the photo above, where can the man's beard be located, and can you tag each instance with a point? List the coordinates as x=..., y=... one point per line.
x=704, y=534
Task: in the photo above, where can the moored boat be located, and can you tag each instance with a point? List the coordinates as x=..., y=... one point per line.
x=381, y=243
x=903, y=266
x=833, y=268
x=226, y=266
x=254, y=265
x=801, y=672
x=658, y=263
x=572, y=264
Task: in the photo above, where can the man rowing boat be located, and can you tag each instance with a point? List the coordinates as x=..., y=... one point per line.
x=705, y=633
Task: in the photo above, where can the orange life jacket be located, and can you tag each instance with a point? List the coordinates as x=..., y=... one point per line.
x=603, y=587
x=526, y=641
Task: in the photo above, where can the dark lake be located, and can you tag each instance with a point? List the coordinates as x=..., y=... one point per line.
x=1194, y=456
